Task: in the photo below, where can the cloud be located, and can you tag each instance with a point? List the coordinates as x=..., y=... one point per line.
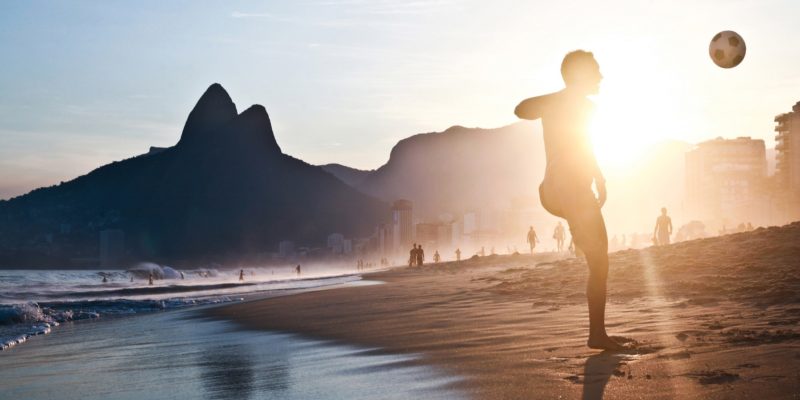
x=394, y=7
x=239, y=14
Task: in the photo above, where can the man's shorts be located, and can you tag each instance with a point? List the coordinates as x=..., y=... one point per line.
x=576, y=204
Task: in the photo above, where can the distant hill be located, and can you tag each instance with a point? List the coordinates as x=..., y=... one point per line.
x=467, y=169
x=460, y=169
x=350, y=176
x=224, y=193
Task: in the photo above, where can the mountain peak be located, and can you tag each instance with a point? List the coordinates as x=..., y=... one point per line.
x=214, y=109
x=255, y=127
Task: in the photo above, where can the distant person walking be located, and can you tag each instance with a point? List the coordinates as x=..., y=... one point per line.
x=663, y=228
x=436, y=257
x=458, y=254
x=297, y=269
x=412, y=256
x=559, y=236
x=571, y=168
x=532, y=239
x=420, y=256
x=241, y=275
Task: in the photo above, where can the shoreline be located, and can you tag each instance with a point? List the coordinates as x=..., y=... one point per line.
x=516, y=326
x=180, y=356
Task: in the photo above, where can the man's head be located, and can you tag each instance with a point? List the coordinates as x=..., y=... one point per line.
x=581, y=72
x=663, y=210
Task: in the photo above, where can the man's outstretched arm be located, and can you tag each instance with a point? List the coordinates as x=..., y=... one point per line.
x=532, y=108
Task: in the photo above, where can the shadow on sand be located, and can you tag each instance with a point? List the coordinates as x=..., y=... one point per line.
x=597, y=372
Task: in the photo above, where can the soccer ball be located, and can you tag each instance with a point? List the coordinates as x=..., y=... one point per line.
x=727, y=49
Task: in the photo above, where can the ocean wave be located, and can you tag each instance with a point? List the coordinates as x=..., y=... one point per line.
x=46, y=299
x=19, y=322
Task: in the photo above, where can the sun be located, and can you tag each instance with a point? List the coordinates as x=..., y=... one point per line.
x=634, y=108
x=618, y=135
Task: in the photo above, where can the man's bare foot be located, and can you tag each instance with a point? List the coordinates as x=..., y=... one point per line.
x=603, y=343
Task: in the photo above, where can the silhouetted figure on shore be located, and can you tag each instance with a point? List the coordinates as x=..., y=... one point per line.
x=458, y=254
x=241, y=275
x=559, y=236
x=532, y=239
x=297, y=269
x=566, y=190
x=420, y=256
x=436, y=257
x=663, y=228
x=412, y=256
x=150, y=280
x=105, y=279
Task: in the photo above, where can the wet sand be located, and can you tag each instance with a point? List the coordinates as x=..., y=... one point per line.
x=712, y=318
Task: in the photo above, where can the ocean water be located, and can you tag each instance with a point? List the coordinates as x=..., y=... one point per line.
x=176, y=355
x=35, y=303
x=69, y=335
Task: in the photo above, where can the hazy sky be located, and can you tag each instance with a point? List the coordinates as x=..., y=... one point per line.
x=86, y=83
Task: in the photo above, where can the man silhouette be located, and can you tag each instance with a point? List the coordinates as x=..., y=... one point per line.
x=663, y=228
x=458, y=254
x=558, y=235
x=412, y=256
x=532, y=238
x=420, y=256
x=566, y=190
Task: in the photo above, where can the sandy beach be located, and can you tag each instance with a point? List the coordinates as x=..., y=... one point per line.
x=713, y=318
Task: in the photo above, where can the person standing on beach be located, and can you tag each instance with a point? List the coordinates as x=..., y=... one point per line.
x=558, y=235
x=297, y=269
x=436, y=257
x=458, y=254
x=663, y=228
x=412, y=256
x=420, y=256
x=241, y=275
x=532, y=238
x=571, y=168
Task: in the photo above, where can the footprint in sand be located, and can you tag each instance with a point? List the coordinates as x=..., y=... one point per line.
x=713, y=377
x=634, y=347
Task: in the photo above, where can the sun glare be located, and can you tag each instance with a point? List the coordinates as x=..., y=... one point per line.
x=633, y=108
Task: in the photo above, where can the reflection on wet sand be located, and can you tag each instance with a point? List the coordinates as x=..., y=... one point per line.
x=229, y=372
